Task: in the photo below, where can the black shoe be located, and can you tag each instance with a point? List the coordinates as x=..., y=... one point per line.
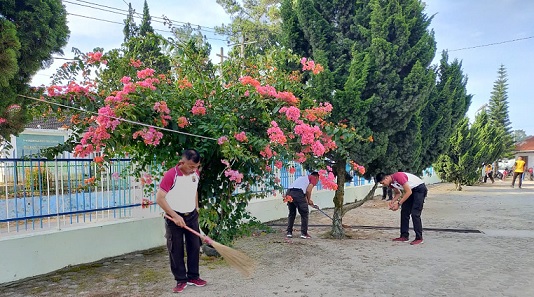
x=289, y=235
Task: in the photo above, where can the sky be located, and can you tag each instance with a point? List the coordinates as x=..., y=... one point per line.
x=458, y=25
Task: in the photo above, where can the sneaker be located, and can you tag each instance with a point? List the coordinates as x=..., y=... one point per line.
x=197, y=282
x=305, y=236
x=417, y=241
x=179, y=287
x=400, y=239
x=289, y=235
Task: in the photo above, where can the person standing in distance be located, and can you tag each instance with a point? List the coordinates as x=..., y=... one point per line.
x=413, y=192
x=518, y=169
x=300, y=190
x=177, y=196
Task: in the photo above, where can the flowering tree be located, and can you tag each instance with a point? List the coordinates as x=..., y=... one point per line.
x=243, y=121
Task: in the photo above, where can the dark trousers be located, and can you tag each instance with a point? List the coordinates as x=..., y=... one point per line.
x=387, y=191
x=175, y=245
x=516, y=174
x=413, y=207
x=300, y=203
x=490, y=175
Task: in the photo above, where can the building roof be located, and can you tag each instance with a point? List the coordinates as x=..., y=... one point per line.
x=50, y=123
x=526, y=145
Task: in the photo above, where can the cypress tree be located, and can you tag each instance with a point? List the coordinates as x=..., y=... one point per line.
x=498, y=114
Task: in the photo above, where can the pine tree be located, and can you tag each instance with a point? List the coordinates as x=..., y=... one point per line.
x=130, y=28
x=498, y=113
x=146, y=27
x=446, y=107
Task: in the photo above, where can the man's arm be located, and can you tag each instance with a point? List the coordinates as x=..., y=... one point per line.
x=309, y=190
x=162, y=202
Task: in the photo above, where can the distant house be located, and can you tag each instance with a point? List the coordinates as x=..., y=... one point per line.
x=40, y=133
x=525, y=149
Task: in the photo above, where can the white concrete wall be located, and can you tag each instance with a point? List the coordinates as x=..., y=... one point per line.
x=39, y=253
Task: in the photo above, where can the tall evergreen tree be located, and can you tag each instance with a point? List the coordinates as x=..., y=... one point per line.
x=31, y=32
x=469, y=147
x=146, y=27
x=130, y=28
x=377, y=58
x=498, y=113
x=445, y=108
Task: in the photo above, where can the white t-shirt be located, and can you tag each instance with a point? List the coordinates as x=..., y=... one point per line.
x=181, y=189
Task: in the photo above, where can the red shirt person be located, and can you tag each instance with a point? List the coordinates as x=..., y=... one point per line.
x=413, y=192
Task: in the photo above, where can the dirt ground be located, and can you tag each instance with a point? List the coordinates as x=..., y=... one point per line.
x=316, y=267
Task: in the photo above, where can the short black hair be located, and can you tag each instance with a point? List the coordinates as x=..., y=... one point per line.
x=191, y=155
x=380, y=177
x=315, y=173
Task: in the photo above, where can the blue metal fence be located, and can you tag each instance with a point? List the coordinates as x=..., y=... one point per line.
x=35, y=192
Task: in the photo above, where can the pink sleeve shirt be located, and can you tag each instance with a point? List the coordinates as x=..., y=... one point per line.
x=181, y=189
x=398, y=179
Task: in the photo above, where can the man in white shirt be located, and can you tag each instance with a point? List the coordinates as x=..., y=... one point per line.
x=177, y=196
x=300, y=190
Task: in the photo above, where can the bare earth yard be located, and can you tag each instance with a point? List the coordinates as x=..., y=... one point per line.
x=497, y=262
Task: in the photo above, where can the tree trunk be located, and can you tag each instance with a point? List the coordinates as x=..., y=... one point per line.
x=337, y=223
x=458, y=186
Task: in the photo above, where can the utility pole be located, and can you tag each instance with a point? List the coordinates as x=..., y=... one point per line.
x=222, y=56
x=242, y=44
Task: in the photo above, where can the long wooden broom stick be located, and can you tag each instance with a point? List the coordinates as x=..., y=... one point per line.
x=236, y=259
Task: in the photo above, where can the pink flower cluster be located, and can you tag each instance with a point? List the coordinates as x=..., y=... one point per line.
x=307, y=133
x=241, y=137
x=106, y=117
x=327, y=179
x=292, y=170
x=292, y=113
x=198, y=108
x=95, y=57
x=310, y=65
x=316, y=113
x=150, y=136
x=2, y=121
x=269, y=91
x=164, y=111
x=183, y=122
x=135, y=63
x=146, y=179
x=318, y=148
x=278, y=164
x=357, y=167
x=147, y=72
x=267, y=152
x=276, y=135
x=13, y=108
x=233, y=175
x=222, y=140
x=301, y=157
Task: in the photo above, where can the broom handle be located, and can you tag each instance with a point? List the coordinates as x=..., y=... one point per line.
x=203, y=237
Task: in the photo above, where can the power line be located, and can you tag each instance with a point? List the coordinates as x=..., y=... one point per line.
x=491, y=44
x=113, y=22
x=119, y=119
x=206, y=28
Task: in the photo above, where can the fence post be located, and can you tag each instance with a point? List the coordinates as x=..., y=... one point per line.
x=57, y=194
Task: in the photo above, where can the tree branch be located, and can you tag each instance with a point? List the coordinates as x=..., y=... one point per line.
x=359, y=203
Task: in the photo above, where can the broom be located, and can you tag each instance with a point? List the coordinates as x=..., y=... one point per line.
x=236, y=259
x=317, y=207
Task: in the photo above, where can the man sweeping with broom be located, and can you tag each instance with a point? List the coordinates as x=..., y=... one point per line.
x=177, y=196
x=300, y=191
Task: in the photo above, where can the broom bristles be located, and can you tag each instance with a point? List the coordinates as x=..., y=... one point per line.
x=236, y=259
